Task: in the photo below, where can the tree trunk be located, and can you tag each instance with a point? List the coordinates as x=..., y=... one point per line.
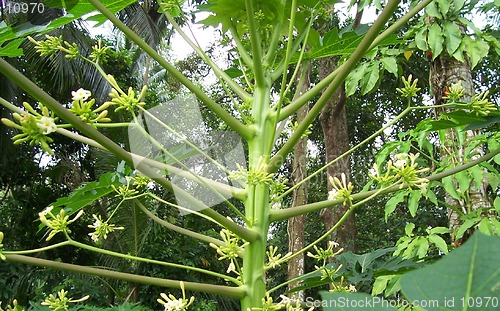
x=336, y=137
x=445, y=71
x=296, y=224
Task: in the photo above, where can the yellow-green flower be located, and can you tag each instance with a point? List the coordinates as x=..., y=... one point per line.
x=61, y=302
x=57, y=223
x=170, y=303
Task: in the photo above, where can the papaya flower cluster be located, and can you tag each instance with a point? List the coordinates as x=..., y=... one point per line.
x=57, y=223
x=481, y=105
x=404, y=170
x=231, y=250
x=410, y=88
x=454, y=92
x=257, y=174
x=341, y=189
x=285, y=304
x=52, y=45
x=34, y=126
x=82, y=107
x=273, y=258
x=14, y=307
x=61, y=302
x=170, y=303
x=324, y=255
x=101, y=229
x=129, y=101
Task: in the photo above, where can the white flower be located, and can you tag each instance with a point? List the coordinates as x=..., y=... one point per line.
x=276, y=206
x=46, y=210
x=101, y=229
x=173, y=304
x=46, y=124
x=231, y=268
x=81, y=94
x=401, y=160
x=332, y=195
x=352, y=288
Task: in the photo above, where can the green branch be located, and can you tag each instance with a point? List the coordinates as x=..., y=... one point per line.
x=255, y=41
x=231, y=121
x=344, y=70
x=307, y=208
x=240, y=47
x=218, y=72
x=374, y=135
x=232, y=292
x=152, y=261
x=31, y=88
x=299, y=102
x=178, y=229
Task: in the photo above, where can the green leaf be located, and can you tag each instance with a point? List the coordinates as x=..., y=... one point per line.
x=468, y=223
x=409, y=229
x=85, y=195
x=444, y=6
x=390, y=65
x=335, y=44
x=439, y=230
x=458, y=5
x=431, y=196
x=476, y=50
x=421, y=38
x=471, y=270
x=449, y=186
x=439, y=242
x=452, y=35
x=380, y=284
x=432, y=10
x=370, y=79
x=485, y=226
x=463, y=181
x=461, y=117
x=435, y=40
x=496, y=203
x=477, y=173
x=423, y=247
x=415, y=197
x=350, y=301
x=72, y=12
x=390, y=206
x=12, y=48
x=386, y=150
x=353, y=78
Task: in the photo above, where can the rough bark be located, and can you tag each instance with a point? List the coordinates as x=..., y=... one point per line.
x=296, y=224
x=445, y=71
x=336, y=137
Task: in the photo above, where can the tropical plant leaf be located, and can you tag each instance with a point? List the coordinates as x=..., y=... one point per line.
x=85, y=195
x=468, y=274
x=12, y=48
x=390, y=206
x=83, y=7
x=435, y=40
